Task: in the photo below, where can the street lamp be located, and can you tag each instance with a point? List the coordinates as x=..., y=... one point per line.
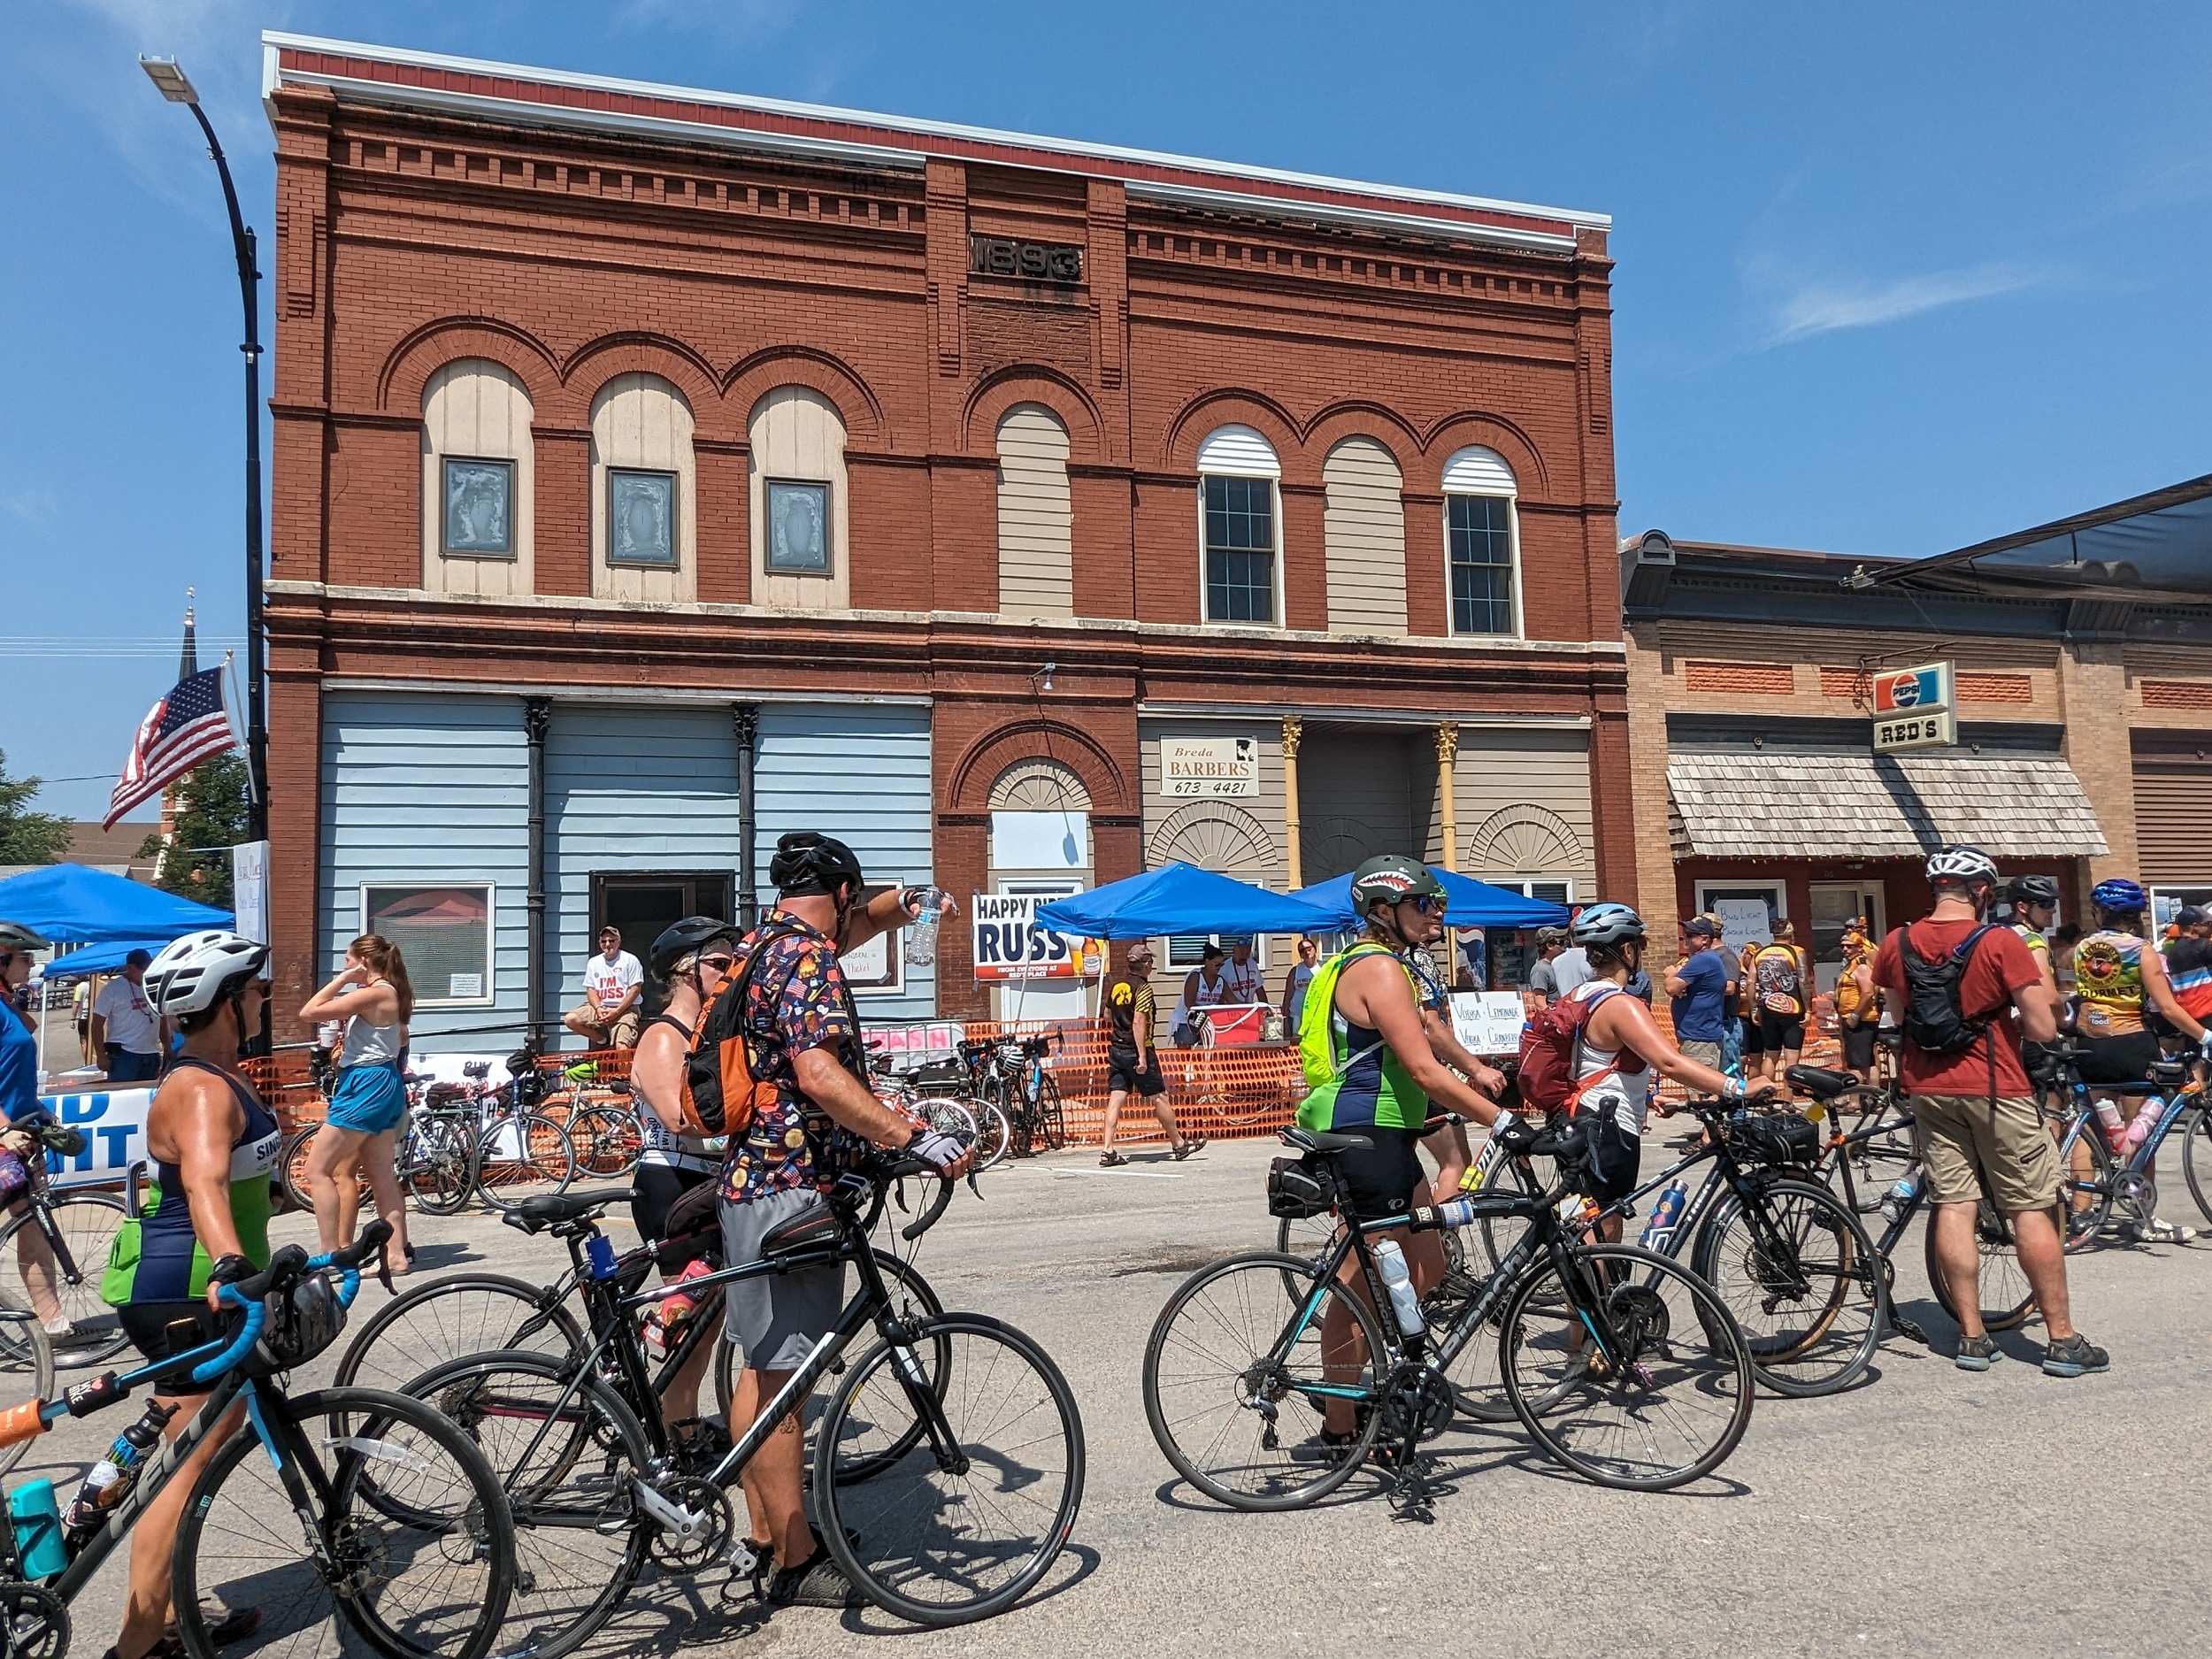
x=175, y=86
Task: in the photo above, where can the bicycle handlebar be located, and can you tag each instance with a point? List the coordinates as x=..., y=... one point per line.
x=285, y=1269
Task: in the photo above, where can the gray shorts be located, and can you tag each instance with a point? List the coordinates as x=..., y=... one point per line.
x=777, y=1318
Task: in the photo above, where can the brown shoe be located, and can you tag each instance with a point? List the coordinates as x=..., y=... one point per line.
x=1112, y=1161
x=1189, y=1147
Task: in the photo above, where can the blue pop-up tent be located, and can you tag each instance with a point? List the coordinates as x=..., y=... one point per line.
x=72, y=904
x=1469, y=903
x=1180, y=899
x=107, y=958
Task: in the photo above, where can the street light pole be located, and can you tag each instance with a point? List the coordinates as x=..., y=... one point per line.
x=173, y=86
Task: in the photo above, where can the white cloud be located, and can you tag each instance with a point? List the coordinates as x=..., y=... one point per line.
x=1822, y=306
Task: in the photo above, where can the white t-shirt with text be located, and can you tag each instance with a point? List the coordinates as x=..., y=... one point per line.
x=608, y=980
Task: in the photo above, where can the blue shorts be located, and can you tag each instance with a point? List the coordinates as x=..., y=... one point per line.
x=369, y=1098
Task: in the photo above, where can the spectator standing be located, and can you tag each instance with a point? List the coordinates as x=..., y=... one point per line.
x=18, y=1097
x=1571, y=967
x=81, y=1014
x=1780, y=978
x=372, y=995
x=1294, y=984
x=1858, y=1003
x=1241, y=980
x=2064, y=937
x=609, y=1017
x=125, y=1031
x=1974, y=1115
x=1698, y=986
x=1203, y=986
x=1133, y=1065
x=1543, y=975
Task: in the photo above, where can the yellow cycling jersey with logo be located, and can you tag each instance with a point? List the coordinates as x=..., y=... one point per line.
x=2109, y=974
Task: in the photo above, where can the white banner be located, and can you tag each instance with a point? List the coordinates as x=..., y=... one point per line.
x=1488, y=1022
x=113, y=1122
x=1008, y=943
x=249, y=890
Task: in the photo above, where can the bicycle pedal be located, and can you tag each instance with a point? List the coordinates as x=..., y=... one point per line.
x=1912, y=1332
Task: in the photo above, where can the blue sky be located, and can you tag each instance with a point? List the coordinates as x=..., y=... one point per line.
x=1891, y=278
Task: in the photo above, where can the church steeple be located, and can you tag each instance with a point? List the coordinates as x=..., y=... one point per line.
x=188, y=661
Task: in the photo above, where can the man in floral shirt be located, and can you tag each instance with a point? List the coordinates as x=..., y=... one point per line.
x=806, y=1041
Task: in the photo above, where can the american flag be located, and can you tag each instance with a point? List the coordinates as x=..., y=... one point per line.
x=184, y=728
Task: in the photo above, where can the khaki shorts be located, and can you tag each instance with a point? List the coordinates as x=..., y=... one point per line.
x=1703, y=1053
x=1956, y=1134
x=622, y=1034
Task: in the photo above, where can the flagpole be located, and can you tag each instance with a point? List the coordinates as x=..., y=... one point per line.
x=230, y=714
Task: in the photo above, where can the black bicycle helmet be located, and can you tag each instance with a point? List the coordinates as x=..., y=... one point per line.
x=1392, y=878
x=2032, y=889
x=808, y=863
x=16, y=937
x=682, y=940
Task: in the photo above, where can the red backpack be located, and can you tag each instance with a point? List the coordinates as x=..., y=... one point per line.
x=1551, y=1043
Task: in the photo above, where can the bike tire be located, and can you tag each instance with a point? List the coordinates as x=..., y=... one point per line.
x=504, y=1173
x=607, y=1141
x=1220, y=1327
x=87, y=1224
x=448, y=1320
x=26, y=1363
x=568, y=1469
x=997, y=1137
x=2196, y=1157
x=1051, y=1119
x=2007, y=1301
x=393, y=1485
x=2086, y=1167
x=910, y=1538
x=1687, y=1375
x=1803, y=1282
x=434, y=1166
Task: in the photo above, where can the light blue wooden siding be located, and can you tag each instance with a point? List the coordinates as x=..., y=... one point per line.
x=428, y=790
x=859, y=771
x=629, y=788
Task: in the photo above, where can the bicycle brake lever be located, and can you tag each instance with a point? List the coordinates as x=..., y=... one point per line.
x=973, y=1188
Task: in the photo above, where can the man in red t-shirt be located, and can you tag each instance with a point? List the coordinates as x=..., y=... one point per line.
x=1975, y=1112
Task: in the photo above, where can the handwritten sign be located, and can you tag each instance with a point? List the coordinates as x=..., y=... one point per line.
x=1488, y=1022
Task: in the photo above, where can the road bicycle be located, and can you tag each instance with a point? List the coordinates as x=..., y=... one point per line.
x=2107, y=1187
x=926, y=1100
x=399, y=1540
x=66, y=1235
x=947, y=1463
x=1620, y=1363
x=1028, y=1095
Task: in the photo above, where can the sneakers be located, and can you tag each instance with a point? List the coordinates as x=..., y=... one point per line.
x=817, y=1581
x=2158, y=1230
x=2075, y=1356
x=1977, y=1352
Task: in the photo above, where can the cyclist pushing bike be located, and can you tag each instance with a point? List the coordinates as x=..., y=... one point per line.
x=803, y=1035
x=204, y=1224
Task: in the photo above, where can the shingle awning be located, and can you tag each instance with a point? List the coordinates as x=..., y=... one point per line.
x=1775, y=805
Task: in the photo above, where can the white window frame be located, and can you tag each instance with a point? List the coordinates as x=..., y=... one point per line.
x=1273, y=473
x=1522, y=885
x=491, y=938
x=1512, y=499
x=1780, y=890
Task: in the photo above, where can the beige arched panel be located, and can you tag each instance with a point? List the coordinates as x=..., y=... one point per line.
x=1036, y=554
x=640, y=421
x=796, y=433
x=1364, y=523
x=1039, y=786
x=473, y=408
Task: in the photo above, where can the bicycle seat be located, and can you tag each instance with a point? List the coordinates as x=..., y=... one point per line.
x=813, y=1228
x=549, y=1210
x=1316, y=1141
x=1820, y=1082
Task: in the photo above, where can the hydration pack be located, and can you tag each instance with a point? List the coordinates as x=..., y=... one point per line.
x=1935, y=1019
x=723, y=1090
x=1551, y=1043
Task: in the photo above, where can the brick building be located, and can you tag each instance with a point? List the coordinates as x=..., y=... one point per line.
x=2083, y=662
x=658, y=471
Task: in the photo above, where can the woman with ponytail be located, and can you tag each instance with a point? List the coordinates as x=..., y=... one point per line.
x=371, y=994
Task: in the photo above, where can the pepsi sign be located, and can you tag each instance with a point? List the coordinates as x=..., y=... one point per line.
x=1921, y=690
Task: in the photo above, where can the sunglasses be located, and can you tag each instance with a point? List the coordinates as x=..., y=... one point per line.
x=1428, y=903
x=720, y=965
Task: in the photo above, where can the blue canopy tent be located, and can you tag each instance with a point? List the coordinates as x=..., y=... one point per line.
x=72, y=904
x=107, y=958
x=1180, y=899
x=1469, y=903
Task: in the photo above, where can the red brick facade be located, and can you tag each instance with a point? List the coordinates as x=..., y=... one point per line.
x=728, y=266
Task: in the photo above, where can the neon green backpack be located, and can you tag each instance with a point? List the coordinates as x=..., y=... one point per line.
x=1321, y=1032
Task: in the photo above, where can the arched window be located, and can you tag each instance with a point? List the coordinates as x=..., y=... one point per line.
x=477, y=480
x=1365, y=528
x=644, y=492
x=1238, y=520
x=1482, y=542
x=1036, y=557
x=801, y=556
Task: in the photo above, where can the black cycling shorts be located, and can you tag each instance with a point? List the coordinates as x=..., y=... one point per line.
x=1122, y=1073
x=1858, y=1047
x=2126, y=1058
x=1780, y=1031
x=1615, y=1156
x=1749, y=1028
x=1388, y=1178
x=147, y=1324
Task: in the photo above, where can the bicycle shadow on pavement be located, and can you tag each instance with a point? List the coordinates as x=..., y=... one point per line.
x=1075, y=1563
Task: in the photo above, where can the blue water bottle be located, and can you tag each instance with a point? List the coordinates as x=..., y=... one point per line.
x=37, y=1519
x=600, y=1251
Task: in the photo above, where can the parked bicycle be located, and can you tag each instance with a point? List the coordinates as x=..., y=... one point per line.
x=400, y=1539
x=62, y=1235
x=2112, y=1177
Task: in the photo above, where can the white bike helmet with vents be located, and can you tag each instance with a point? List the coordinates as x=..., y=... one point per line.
x=196, y=972
x=1968, y=864
x=1606, y=924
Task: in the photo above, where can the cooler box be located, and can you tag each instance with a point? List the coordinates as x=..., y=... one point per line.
x=1237, y=1027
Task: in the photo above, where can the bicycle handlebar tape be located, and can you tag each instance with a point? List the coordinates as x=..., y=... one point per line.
x=930, y=1210
x=249, y=1333
x=26, y=1422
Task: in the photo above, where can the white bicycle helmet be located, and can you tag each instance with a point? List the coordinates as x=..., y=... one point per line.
x=1606, y=924
x=196, y=972
x=1968, y=864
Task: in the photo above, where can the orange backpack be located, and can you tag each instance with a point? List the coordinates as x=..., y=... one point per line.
x=722, y=1090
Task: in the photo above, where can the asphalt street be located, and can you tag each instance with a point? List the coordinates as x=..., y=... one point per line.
x=1928, y=1510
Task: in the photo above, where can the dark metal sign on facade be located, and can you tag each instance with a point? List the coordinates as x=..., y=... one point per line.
x=1036, y=261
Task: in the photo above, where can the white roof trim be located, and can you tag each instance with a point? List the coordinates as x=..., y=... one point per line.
x=272, y=40
x=1475, y=471
x=1238, y=453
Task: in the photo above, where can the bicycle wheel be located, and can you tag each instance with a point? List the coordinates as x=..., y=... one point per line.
x=569, y=1457
x=1234, y=1383
x=1051, y=1121
x=27, y=1369
x=2087, y=1167
x=417, y=1538
x=71, y=1248
x=2007, y=1299
x=448, y=1319
x=606, y=1140
x=1664, y=1407
x=1880, y=1161
x=1305, y=1238
x=996, y=1135
x=1798, y=1272
x=965, y=1521
x=434, y=1165
x=517, y=1158
x=2196, y=1157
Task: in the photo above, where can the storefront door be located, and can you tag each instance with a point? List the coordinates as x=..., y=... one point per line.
x=643, y=904
x=1835, y=905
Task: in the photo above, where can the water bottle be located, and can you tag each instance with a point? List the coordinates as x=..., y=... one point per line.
x=1398, y=1280
x=37, y=1520
x=2116, y=1129
x=2146, y=1118
x=921, y=933
x=665, y=1326
x=1664, y=1214
x=108, y=1482
x=1899, y=1197
x=1458, y=1213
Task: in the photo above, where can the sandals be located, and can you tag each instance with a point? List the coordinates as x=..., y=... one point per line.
x=1112, y=1161
x=1196, y=1144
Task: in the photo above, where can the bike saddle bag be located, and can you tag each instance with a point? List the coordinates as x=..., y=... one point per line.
x=693, y=1230
x=1299, y=1188
x=1774, y=1137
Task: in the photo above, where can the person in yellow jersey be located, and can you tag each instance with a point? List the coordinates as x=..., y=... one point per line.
x=1858, y=1003
x=1132, y=1063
